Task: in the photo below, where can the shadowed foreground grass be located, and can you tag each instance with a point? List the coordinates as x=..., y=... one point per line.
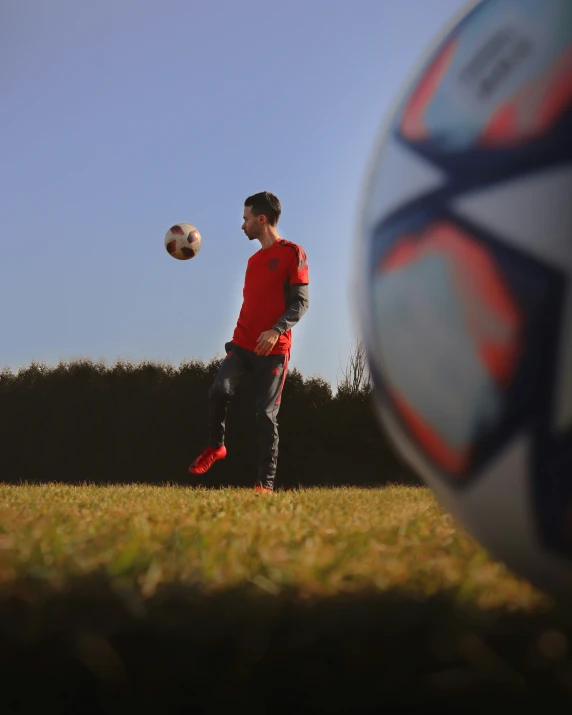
x=165, y=599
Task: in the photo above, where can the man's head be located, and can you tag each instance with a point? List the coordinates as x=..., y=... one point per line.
x=261, y=211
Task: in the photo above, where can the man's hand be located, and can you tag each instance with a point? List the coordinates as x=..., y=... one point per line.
x=266, y=341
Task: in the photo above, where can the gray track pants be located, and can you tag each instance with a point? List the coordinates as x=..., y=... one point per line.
x=270, y=375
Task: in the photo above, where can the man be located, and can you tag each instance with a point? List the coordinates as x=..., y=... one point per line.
x=275, y=297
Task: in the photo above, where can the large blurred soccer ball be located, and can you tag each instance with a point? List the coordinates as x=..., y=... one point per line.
x=464, y=279
x=183, y=241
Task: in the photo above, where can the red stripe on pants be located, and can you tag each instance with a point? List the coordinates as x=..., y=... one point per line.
x=284, y=371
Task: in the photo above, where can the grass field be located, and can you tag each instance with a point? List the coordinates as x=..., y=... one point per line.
x=173, y=599
x=318, y=541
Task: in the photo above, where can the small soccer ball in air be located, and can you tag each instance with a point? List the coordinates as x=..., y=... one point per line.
x=464, y=280
x=183, y=241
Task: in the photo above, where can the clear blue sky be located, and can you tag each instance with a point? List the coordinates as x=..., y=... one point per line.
x=122, y=117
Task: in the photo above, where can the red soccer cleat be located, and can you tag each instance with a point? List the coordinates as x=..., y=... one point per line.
x=206, y=459
x=260, y=489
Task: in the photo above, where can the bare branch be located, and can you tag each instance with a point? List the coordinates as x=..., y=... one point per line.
x=355, y=378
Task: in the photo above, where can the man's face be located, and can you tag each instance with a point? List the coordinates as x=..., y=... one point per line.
x=252, y=225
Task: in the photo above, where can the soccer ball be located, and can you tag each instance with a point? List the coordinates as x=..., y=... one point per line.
x=464, y=281
x=183, y=241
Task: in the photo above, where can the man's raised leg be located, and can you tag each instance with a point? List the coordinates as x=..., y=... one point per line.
x=232, y=370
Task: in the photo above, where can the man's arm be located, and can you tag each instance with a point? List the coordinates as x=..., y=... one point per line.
x=299, y=302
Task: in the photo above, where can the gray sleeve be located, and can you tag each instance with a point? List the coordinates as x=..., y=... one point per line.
x=299, y=302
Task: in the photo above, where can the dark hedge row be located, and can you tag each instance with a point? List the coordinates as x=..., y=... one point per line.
x=85, y=421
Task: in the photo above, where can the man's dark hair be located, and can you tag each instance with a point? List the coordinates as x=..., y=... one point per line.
x=267, y=204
